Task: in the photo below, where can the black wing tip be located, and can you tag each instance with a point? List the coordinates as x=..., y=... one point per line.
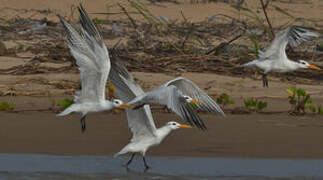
x=61, y=19
x=81, y=9
x=118, y=66
x=192, y=117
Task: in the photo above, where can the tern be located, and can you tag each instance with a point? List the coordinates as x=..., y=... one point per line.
x=274, y=59
x=92, y=58
x=180, y=95
x=140, y=120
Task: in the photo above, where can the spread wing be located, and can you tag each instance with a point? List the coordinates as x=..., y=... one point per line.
x=173, y=98
x=140, y=120
x=91, y=56
x=189, y=88
x=293, y=36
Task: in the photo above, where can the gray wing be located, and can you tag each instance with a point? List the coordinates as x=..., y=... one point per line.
x=293, y=36
x=91, y=56
x=189, y=88
x=173, y=98
x=132, y=93
x=140, y=120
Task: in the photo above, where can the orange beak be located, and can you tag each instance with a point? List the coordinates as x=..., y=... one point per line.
x=196, y=101
x=184, y=126
x=125, y=106
x=313, y=67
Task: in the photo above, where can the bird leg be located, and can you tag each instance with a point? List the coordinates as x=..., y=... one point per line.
x=145, y=163
x=83, y=123
x=166, y=109
x=264, y=80
x=130, y=160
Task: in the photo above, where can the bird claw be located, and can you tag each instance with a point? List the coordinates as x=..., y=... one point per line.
x=147, y=168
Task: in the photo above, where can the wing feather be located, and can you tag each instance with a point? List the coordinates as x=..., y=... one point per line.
x=189, y=88
x=293, y=36
x=173, y=98
x=140, y=121
x=91, y=56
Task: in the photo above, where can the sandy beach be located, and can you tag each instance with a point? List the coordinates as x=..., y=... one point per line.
x=37, y=71
x=247, y=136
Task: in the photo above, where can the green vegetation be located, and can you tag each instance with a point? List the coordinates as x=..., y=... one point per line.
x=255, y=104
x=65, y=103
x=224, y=99
x=300, y=101
x=6, y=106
x=193, y=105
x=98, y=21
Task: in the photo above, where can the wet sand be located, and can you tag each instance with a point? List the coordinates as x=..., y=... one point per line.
x=257, y=135
x=42, y=166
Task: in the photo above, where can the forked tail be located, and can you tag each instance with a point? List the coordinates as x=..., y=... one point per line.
x=65, y=112
x=250, y=64
x=123, y=151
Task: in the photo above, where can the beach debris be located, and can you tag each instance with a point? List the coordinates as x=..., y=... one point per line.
x=117, y=30
x=163, y=18
x=3, y=49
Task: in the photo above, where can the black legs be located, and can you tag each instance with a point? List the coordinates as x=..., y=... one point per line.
x=264, y=80
x=83, y=123
x=145, y=163
x=130, y=160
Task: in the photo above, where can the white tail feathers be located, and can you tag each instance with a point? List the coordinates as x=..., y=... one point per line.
x=123, y=151
x=250, y=64
x=65, y=112
x=117, y=154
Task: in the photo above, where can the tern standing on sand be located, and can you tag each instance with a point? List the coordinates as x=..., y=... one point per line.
x=92, y=57
x=274, y=59
x=140, y=120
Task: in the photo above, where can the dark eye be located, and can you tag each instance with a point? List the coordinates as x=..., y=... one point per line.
x=117, y=102
x=174, y=124
x=186, y=97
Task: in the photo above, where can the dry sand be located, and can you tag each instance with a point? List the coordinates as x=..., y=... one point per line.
x=308, y=9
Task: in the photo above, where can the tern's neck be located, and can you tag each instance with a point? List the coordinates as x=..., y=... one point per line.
x=107, y=105
x=163, y=132
x=292, y=65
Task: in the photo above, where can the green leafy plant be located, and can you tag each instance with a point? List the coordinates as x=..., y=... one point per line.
x=6, y=106
x=65, y=103
x=224, y=99
x=254, y=104
x=320, y=110
x=300, y=101
x=255, y=42
x=98, y=21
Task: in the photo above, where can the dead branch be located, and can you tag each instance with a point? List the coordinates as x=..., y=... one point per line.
x=266, y=15
x=129, y=17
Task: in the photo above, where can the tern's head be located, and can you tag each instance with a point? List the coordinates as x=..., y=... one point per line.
x=306, y=65
x=191, y=100
x=118, y=103
x=175, y=125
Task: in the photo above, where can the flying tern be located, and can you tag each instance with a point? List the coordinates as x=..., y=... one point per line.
x=92, y=58
x=274, y=59
x=140, y=120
